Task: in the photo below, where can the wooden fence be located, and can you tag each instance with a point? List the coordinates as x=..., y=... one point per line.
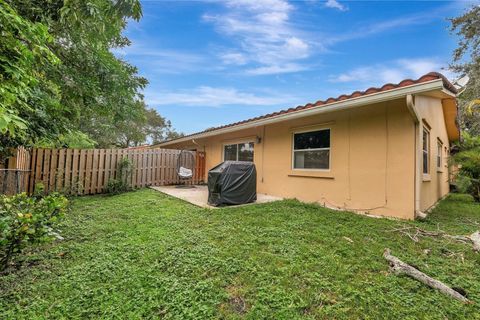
x=87, y=171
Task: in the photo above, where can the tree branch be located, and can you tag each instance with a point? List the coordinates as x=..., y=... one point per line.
x=400, y=267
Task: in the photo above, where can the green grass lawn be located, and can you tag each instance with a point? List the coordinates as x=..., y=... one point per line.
x=146, y=255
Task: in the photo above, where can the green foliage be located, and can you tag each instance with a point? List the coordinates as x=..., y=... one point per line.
x=115, y=186
x=144, y=125
x=158, y=128
x=468, y=161
x=60, y=82
x=72, y=139
x=463, y=184
x=27, y=96
x=172, y=134
x=164, y=258
x=25, y=221
x=466, y=61
x=122, y=182
x=97, y=89
x=74, y=188
x=39, y=190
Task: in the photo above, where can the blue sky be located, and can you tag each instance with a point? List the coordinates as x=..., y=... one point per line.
x=211, y=63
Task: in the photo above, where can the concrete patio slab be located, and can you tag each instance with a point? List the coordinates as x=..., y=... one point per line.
x=199, y=195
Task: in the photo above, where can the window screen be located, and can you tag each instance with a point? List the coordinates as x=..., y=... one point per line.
x=238, y=152
x=439, y=154
x=230, y=152
x=245, y=151
x=312, y=140
x=426, y=151
x=311, y=150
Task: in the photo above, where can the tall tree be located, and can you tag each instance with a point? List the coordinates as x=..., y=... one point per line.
x=149, y=126
x=94, y=84
x=466, y=61
x=70, y=88
x=158, y=128
x=29, y=101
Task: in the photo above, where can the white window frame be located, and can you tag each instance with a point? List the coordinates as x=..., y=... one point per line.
x=428, y=151
x=237, y=143
x=316, y=149
x=439, y=154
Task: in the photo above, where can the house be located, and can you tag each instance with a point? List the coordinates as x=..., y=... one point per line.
x=382, y=151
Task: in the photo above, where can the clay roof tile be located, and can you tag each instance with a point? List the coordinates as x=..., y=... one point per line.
x=389, y=86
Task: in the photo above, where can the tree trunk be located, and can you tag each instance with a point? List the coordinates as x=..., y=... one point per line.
x=400, y=267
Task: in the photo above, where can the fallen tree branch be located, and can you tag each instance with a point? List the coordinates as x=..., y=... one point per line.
x=475, y=238
x=414, y=233
x=399, y=267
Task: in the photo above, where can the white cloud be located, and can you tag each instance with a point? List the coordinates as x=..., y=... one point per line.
x=206, y=96
x=235, y=58
x=336, y=5
x=268, y=41
x=263, y=35
x=419, y=67
x=276, y=69
x=163, y=60
x=393, y=71
x=369, y=29
x=295, y=47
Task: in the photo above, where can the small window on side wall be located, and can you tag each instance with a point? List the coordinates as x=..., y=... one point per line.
x=238, y=152
x=311, y=150
x=230, y=152
x=426, y=151
x=439, y=154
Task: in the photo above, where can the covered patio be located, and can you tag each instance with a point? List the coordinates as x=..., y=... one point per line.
x=199, y=195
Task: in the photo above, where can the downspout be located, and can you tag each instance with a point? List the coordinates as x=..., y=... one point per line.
x=418, y=156
x=195, y=143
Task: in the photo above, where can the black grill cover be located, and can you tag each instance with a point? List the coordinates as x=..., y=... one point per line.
x=232, y=182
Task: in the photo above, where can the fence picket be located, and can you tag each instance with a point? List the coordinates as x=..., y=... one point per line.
x=60, y=170
x=68, y=170
x=101, y=171
x=113, y=164
x=108, y=155
x=156, y=166
x=95, y=160
x=81, y=170
x=75, y=178
x=53, y=170
x=46, y=166
x=33, y=165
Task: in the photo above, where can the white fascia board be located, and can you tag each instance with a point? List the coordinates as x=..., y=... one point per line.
x=436, y=84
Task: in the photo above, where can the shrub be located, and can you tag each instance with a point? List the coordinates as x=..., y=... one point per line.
x=75, y=188
x=115, y=186
x=26, y=221
x=468, y=161
x=463, y=184
x=122, y=182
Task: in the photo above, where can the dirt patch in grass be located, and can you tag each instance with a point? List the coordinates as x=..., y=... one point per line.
x=236, y=302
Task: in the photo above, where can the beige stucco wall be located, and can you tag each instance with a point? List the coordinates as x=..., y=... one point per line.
x=435, y=185
x=372, y=159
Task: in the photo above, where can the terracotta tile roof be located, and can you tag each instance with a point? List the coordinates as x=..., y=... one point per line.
x=320, y=103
